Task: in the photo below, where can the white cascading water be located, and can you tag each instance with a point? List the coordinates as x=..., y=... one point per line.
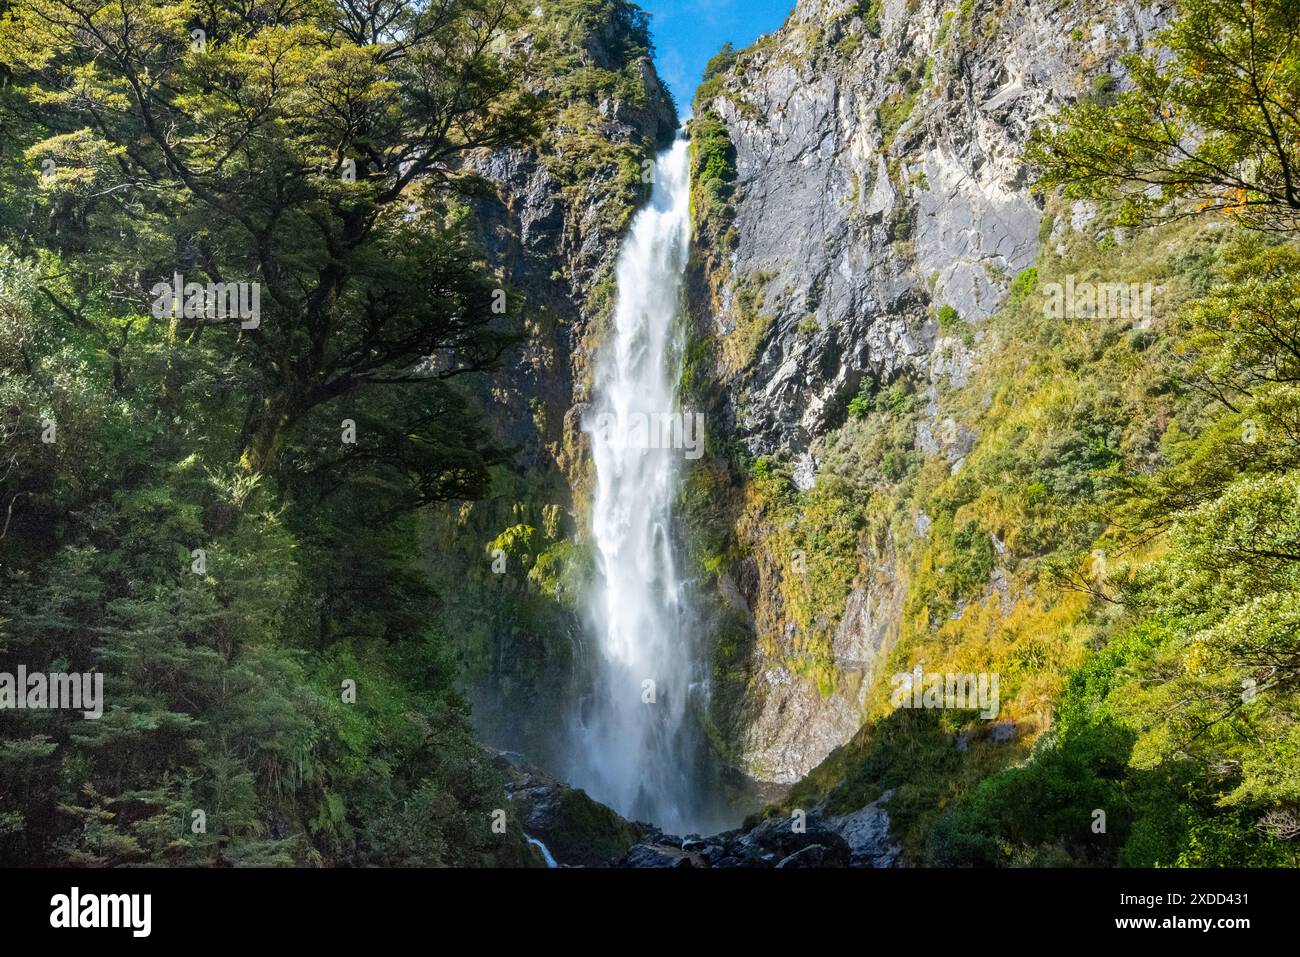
x=632, y=750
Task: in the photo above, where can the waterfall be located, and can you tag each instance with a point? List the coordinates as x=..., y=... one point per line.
x=634, y=748
x=547, y=856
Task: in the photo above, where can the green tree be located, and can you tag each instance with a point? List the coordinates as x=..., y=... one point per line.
x=199, y=533
x=314, y=150
x=1210, y=125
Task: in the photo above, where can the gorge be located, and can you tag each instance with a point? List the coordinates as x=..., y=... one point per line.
x=865, y=245
x=886, y=458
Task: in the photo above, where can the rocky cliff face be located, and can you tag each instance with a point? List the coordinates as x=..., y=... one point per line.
x=862, y=194
x=878, y=177
x=554, y=225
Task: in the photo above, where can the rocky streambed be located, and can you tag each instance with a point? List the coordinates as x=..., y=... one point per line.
x=581, y=832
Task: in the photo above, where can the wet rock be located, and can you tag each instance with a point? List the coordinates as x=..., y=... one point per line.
x=654, y=856
x=793, y=726
x=713, y=855
x=575, y=828
x=654, y=835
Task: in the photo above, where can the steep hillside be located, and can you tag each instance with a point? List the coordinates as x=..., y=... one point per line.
x=861, y=191
x=920, y=468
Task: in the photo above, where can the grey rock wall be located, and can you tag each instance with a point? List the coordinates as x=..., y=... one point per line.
x=878, y=179
x=865, y=224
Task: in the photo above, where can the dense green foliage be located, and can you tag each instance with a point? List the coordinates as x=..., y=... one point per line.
x=1211, y=121
x=713, y=173
x=1117, y=547
x=592, y=53
x=183, y=507
x=1182, y=726
x=1185, y=720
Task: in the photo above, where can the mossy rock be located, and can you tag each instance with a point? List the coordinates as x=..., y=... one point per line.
x=580, y=830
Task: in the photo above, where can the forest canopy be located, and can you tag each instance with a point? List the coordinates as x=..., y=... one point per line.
x=217, y=510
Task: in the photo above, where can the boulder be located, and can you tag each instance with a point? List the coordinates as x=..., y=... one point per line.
x=778, y=838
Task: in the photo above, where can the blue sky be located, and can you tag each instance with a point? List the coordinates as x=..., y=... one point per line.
x=688, y=32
